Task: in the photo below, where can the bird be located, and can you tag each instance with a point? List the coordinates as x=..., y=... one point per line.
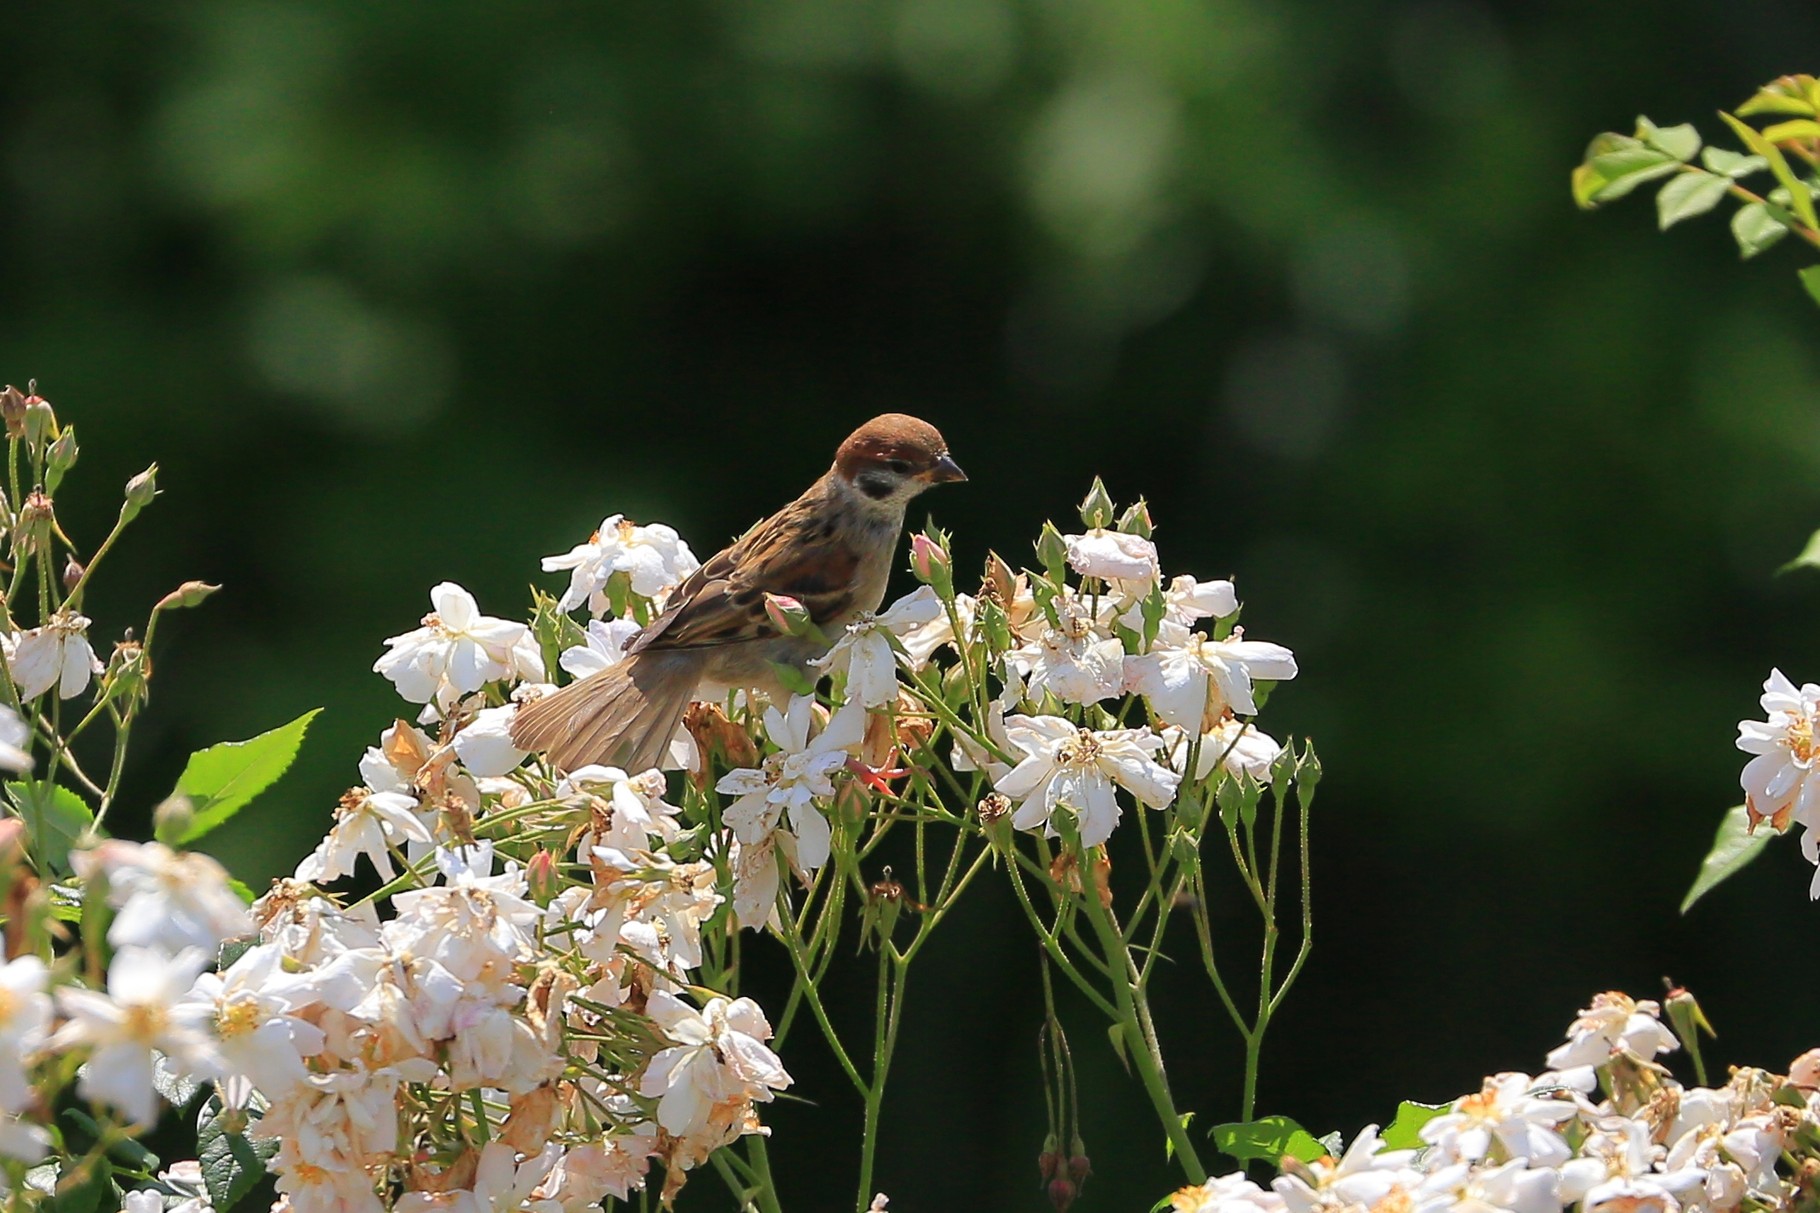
x=830, y=550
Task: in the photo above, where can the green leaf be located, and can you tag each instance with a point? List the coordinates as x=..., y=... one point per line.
x=1755, y=229
x=1727, y=163
x=1734, y=846
x=1799, y=198
x=1799, y=128
x=232, y=1164
x=1116, y=1034
x=1690, y=194
x=54, y=816
x=220, y=780
x=1619, y=172
x=1267, y=1139
x=1810, y=555
x=1810, y=278
x=1681, y=142
x=1786, y=95
x=85, y=1189
x=1405, y=1132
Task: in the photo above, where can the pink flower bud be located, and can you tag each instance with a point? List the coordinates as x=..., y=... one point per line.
x=927, y=558
x=787, y=615
x=541, y=875
x=1061, y=1194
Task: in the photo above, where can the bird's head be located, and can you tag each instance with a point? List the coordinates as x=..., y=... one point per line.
x=892, y=458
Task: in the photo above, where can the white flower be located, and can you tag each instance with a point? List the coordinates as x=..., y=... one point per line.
x=606, y=646
x=15, y=736
x=142, y=1010
x=639, y=811
x=719, y=1055
x=1513, y=1187
x=1232, y=1193
x=165, y=899
x=788, y=783
x=484, y=744
x=864, y=651
x=1074, y=661
x=1112, y=555
x=654, y=558
x=365, y=823
x=1506, y=1110
x=1202, y=678
x=1364, y=1175
x=502, y=1184
x=261, y=1043
x=55, y=655
x=25, y=1013
x=1237, y=745
x=1776, y=781
x=1615, y=1025
x=1076, y=767
x=456, y=651
x=1185, y=603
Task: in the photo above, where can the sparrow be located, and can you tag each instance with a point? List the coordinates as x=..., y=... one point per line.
x=830, y=549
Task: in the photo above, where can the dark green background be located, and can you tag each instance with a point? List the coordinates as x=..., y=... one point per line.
x=398, y=293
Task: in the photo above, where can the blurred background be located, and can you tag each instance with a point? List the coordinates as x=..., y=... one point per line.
x=400, y=293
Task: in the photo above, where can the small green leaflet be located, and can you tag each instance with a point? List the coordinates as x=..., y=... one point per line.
x=1810, y=278
x=1810, y=555
x=232, y=1164
x=1692, y=193
x=1733, y=847
x=1405, y=1132
x=1267, y=1139
x=55, y=817
x=220, y=780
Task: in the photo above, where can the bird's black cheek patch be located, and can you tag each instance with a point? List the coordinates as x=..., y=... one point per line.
x=876, y=485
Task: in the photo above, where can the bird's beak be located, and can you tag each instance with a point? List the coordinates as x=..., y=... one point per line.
x=946, y=470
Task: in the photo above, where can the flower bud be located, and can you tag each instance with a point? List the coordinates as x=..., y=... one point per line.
x=139, y=493
x=1052, y=552
x=189, y=594
x=172, y=819
x=72, y=573
x=1097, y=509
x=60, y=458
x=1078, y=1164
x=12, y=411
x=1307, y=774
x=40, y=420
x=544, y=880
x=788, y=615
x=999, y=583
x=1136, y=520
x=1061, y=1194
x=930, y=561
x=1049, y=1163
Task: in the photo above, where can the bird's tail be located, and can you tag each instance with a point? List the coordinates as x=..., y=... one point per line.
x=622, y=716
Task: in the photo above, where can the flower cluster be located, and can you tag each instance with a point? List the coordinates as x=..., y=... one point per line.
x=494, y=983
x=1605, y=1128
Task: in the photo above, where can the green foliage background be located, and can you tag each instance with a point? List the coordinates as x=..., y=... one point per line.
x=398, y=293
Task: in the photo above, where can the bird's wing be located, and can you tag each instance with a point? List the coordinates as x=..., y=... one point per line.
x=724, y=601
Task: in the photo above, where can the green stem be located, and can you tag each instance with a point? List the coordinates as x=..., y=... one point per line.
x=1133, y=1018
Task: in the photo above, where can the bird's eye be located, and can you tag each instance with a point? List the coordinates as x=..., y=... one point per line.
x=899, y=466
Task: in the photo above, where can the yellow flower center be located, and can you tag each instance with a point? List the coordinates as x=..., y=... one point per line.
x=145, y=1024
x=1800, y=737
x=237, y=1017
x=1083, y=750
